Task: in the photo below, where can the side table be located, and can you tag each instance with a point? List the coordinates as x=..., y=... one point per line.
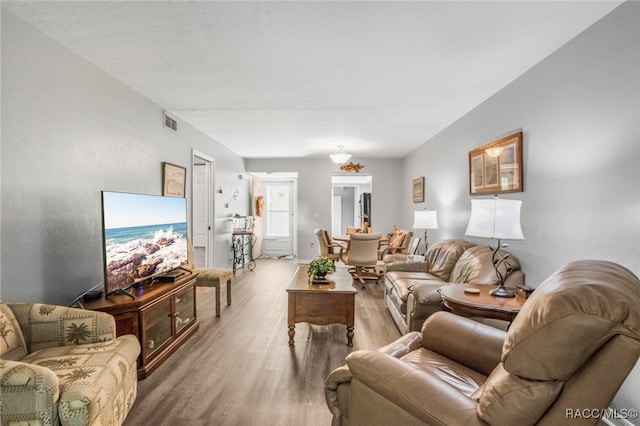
x=482, y=304
x=242, y=247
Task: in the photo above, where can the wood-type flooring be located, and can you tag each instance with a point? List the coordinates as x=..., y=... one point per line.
x=239, y=369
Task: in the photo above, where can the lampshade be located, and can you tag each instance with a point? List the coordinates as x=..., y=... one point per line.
x=425, y=219
x=340, y=157
x=495, y=218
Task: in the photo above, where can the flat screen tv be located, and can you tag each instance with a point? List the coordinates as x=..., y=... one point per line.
x=144, y=236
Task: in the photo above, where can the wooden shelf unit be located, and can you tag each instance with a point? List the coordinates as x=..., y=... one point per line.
x=162, y=317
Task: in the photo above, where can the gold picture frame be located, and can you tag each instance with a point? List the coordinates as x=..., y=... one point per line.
x=417, y=190
x=174, y=180
x=499, y=171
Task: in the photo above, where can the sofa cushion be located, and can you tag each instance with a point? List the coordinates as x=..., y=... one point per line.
x=92, y=377
x=399, y=283
x=443, y=256
x=409, y=275
x=12, y=344
x=475, y=265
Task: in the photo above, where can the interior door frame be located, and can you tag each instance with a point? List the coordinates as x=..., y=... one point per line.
x=210, y=202
x=293, y=182
x=358, y=182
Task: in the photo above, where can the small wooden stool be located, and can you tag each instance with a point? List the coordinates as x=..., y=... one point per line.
x=213, y=278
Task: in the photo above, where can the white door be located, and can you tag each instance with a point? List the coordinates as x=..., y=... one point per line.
x=278, y=218
x=200, y=206
x=202, y=210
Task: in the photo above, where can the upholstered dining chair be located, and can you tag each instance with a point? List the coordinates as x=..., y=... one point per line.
x=362, y=254
x=210, y=277
x=327, y=247
x=396, y=243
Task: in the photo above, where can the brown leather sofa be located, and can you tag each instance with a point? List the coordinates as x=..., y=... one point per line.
x=567, y=353
x=411, y=288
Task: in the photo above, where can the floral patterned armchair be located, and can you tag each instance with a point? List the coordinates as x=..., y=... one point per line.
x=63, y=365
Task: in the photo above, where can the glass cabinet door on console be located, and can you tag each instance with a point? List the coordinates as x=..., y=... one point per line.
x=185, y=308
x=157, y=321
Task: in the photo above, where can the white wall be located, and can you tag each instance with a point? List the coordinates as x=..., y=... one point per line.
x=580, y=114
x=314, y=193
x=69, y=131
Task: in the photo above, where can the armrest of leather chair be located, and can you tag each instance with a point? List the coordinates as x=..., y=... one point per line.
x=339, y=376
x=421, y=394
x=403, y=345
x=476, y=345
x=342, y=375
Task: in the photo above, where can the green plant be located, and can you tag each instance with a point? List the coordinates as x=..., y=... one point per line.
x=320, y=266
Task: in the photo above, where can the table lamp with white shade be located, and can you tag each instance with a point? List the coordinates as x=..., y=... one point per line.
x=425, y=219
x=498, y=219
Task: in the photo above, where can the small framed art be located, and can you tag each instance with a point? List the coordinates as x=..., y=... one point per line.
x=496, y=167
x=417, y=190
x=174, y=180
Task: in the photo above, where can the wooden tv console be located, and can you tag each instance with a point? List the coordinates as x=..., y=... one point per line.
x=162, y=317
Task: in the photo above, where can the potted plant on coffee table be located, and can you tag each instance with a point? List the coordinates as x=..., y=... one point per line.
x=320, y=267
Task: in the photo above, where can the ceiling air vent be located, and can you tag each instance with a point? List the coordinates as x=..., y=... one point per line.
x=170, y=122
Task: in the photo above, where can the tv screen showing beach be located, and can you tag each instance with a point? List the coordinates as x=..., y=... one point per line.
x=144, y=236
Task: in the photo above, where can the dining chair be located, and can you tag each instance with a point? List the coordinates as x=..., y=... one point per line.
x=362, y=254
x=396, y=243
x=327, y=247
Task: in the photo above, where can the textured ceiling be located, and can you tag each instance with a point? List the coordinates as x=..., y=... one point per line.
x=296, y=79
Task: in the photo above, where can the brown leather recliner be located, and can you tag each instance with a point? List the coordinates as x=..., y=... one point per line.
x=570, y=348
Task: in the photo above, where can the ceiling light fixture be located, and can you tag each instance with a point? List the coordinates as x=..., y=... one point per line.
x=494, y=151
x=340, y=157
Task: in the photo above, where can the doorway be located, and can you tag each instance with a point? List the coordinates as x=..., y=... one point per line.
x=202, y=202
x=350, y=202
x=278, y=224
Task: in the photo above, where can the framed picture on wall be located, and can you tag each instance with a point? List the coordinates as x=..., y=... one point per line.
x=418, y=190
x=174, y=180
x=496, y=167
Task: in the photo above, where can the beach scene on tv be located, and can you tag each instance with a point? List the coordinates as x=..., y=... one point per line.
x=144, y=235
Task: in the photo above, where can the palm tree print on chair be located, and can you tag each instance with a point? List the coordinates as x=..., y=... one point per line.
x=5, y=330
x=78, y=334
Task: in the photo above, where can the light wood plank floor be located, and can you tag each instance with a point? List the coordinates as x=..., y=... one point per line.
x=239, y=369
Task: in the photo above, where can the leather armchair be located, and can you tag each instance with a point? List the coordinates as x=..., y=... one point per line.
x=570, y=347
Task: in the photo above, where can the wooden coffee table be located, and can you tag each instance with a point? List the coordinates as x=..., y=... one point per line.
x=482, y=304
x=322, y=304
